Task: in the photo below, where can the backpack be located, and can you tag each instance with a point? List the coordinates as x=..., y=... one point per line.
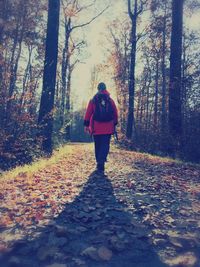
x=103, y=108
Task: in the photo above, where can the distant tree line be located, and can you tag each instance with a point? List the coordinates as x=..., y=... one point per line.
x=159, y=103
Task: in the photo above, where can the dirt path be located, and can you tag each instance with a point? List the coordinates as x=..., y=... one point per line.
x=145, y=212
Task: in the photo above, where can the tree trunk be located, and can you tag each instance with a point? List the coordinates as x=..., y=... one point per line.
x=138, y=107
x=163, y=69
x=175, y=117
x=11, y=80
x=141, y=114
x=155, y=120
x=65, y=68
x=25, y=81
x=16, y=53
x=131, y=121
x=3, y=15
x=147, y=122
x=184, y=90
x=34, y=85
x=68, y=106
x=45, y=119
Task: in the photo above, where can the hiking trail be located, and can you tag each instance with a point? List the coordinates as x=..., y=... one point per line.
x=145, y=212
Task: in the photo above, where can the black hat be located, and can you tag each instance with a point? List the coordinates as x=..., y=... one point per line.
x=101, y=86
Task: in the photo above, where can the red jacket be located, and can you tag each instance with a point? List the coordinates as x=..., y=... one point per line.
x=96, y=127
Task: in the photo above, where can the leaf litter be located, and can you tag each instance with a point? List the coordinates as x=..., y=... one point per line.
x=150, y=213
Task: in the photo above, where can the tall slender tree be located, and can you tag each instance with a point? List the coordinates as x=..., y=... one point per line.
x=133, y=14
x=163, y=68
x=45, y=119
x=130, y=121
x=3, y=6
x=175, y=116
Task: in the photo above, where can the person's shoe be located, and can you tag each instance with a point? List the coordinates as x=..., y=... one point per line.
x=100, y=167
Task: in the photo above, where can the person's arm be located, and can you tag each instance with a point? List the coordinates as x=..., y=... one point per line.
x=115, y=119
x=88, y=114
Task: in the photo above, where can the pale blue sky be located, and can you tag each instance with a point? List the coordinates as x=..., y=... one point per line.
x=94, y=34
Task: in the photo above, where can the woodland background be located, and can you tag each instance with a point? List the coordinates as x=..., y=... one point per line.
x=145, y=49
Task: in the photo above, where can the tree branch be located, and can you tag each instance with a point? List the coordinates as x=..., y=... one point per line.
x=129, y=9
x=87, y=23
x=84, y=7
x=141, y=9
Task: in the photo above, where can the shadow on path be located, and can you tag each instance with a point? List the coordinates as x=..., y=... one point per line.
x=95, y=219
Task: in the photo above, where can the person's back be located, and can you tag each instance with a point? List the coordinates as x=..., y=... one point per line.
x=104, y=110
x=100, y=121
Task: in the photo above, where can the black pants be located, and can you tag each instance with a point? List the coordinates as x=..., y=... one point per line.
x=102, y=146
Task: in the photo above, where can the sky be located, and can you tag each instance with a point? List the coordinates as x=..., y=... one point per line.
x=95, y=50
x=94, y=34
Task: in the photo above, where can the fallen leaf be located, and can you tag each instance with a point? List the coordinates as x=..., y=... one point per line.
x=90, y=252
x=104, y=253
x=186, y=260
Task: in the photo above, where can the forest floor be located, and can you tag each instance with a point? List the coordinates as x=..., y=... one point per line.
x=145, y=212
